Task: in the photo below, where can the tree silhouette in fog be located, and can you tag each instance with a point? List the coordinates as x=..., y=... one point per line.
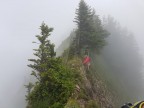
x=123, y=56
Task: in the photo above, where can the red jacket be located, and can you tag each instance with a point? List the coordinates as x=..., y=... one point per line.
x=86, y=60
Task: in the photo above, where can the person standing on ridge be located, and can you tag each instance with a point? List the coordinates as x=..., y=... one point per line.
x=86, y=62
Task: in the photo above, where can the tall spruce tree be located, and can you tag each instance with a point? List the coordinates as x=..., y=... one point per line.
x=43, y=53
x=90, y=32
x=56, y=81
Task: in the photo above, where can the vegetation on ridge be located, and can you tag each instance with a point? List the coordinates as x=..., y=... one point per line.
x=62, y=82
x=55, y=81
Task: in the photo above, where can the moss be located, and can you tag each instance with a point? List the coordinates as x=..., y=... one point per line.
x=72, y=103
x=92, y=104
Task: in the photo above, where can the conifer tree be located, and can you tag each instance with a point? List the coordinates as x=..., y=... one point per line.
x=43, y=53
x=90, y=32
x=55, y=82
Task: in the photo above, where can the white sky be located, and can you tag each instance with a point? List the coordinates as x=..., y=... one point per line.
x=19, y=23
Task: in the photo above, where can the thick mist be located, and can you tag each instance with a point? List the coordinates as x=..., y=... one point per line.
x=20, y=21
x=122, y=56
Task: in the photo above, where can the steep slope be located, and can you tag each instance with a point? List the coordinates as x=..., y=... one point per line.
x=96, y=88
x=65, y=44
x=91, y=91
x=114, y=77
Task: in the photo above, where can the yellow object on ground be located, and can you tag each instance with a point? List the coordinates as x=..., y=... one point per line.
x=139, y=104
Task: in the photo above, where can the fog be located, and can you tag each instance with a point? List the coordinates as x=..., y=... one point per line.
x=20, y=21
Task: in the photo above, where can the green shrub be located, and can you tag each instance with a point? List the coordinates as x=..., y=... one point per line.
x=56, y=86
x=72, y=104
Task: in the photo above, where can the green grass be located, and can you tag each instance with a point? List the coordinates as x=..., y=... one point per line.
x=72, y=103
x=92, y=104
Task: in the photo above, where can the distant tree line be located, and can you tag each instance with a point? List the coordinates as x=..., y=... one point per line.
x=123, y=56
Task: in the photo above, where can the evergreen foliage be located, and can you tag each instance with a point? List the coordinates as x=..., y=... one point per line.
x=90, y=32
x=55, y=80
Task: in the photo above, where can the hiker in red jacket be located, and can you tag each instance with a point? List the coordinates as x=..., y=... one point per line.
x=86, y=61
